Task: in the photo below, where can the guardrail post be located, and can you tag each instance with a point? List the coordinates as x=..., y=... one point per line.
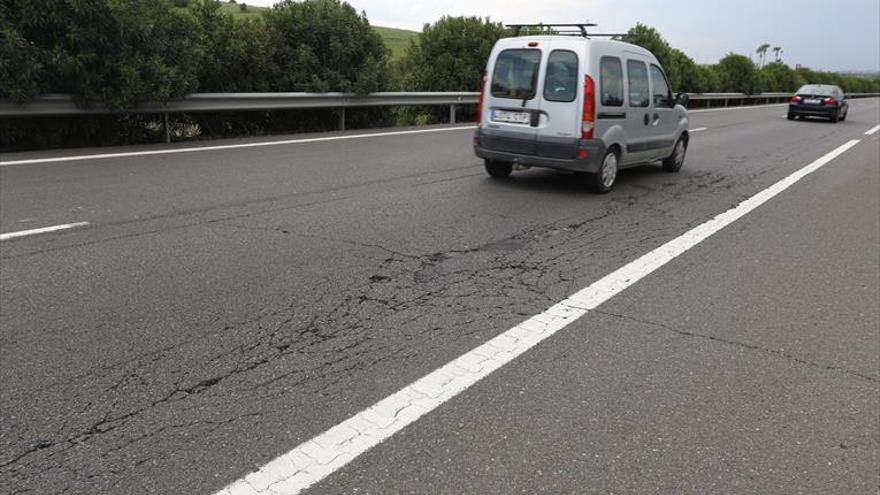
x=342, y=119
x=451, y=114
x=166, y=129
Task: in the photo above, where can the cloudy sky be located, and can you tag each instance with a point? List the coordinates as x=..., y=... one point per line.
x=823, y=34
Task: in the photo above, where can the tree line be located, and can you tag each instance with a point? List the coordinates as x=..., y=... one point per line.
x=122, y=53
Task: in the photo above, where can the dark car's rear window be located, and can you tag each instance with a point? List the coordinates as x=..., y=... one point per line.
x=817, y=89
x=516, y=74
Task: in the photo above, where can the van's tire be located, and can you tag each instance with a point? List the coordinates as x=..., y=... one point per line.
x=603, y=181
x=498, y=170
x=674, y=162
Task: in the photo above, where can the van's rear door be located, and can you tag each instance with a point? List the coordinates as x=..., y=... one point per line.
x=511, y=100
x=561, y=101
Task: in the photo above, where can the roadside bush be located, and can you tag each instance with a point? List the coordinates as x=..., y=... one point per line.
x=777, y=77
x=450, y=55
x=325, y=45
x=237, y=55
x=738, y=74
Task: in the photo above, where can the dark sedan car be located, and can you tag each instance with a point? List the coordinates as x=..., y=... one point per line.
x=818, y=100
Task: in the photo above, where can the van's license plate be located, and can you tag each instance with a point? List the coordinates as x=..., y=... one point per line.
x=511, y=117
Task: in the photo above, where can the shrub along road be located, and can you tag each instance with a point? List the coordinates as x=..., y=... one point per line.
x=224, y=306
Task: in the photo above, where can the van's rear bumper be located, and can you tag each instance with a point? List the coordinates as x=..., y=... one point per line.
x=591, y=150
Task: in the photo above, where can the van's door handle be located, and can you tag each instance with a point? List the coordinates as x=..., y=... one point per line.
x=647, y=119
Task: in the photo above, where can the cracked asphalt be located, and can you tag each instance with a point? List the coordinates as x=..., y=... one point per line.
x=225, y=306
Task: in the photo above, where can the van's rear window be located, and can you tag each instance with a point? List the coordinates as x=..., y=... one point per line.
x=516, y=74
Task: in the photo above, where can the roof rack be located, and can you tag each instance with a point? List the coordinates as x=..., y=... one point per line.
x=563, y=29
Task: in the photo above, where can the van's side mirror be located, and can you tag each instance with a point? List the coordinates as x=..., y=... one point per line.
x=682, y=99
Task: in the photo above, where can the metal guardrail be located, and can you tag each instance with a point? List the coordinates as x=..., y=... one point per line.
x=56, y=104
x=53, y=105
x=66, y=105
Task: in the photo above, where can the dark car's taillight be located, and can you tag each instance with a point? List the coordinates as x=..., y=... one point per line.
x=830, y=101
x=796, y=99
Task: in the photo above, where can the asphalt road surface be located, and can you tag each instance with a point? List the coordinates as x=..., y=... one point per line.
x=223, y=306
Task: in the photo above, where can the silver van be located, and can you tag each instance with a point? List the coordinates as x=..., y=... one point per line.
x=579, y=104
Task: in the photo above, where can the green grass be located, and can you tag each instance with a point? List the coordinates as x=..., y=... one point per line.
x=251, y=12
x=233, y=8
x=397, y=40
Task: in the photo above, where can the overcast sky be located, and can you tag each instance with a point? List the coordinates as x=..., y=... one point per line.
x=831, y=35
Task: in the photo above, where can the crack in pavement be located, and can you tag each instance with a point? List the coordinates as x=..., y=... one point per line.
x=743, y=345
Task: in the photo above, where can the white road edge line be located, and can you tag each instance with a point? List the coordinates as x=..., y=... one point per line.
x=43, y=230
x=700, y=129
x=227, y=146
x=326, y=453
x=873, y=130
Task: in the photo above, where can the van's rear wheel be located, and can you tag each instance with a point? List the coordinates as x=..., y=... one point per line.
x=676, y=159
x=497, y=169
x=603, y=180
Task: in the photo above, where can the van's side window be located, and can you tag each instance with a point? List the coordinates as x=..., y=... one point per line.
x=516, y=74
x=662, y=95
x=561, y=82
x=639, y=90
x=611, y=81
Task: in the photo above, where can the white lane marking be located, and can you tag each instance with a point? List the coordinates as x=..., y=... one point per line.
x=226, y=146
x=873, y=130
x=700, y=129
x=43, y=230
x=326, y=453
x=747, y=107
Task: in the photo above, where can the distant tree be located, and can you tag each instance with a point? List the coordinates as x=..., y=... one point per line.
x=680, y=68
x=762, y=53
x=242, y=7
x=777, y=51
x=650, y=39
x=738, y=74
x=450, y=55
x=181, y=3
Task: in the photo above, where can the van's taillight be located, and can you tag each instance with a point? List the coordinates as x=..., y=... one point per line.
x=795, y=99
x=589, y=108
x=830, y=101
x=480, y=99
